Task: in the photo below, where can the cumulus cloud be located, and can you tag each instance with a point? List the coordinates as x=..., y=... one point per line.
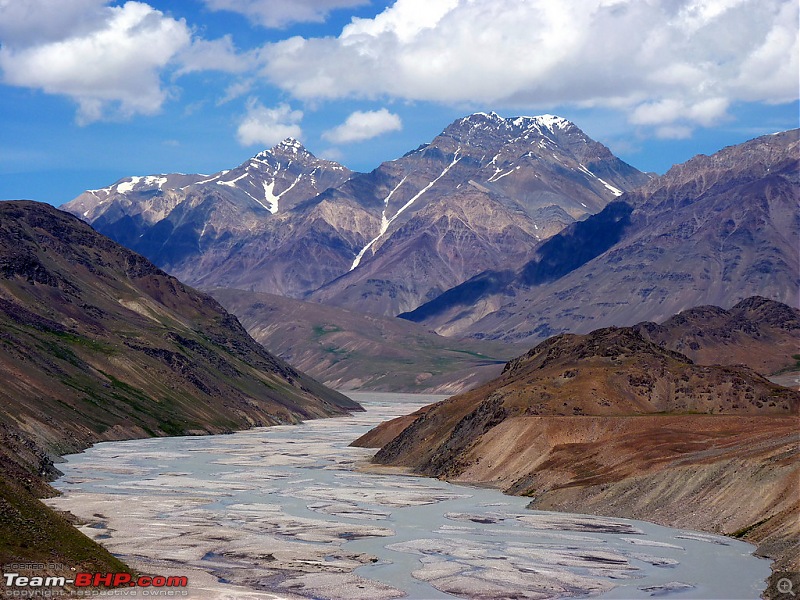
x=214, y=55
x=32, y=22
x=360, y=126
x=109, y=59
x=104, y=57
x=669, y=64
x=268, y=126
x=280, y=13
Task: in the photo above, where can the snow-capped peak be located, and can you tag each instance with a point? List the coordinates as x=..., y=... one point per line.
x=541, y=122
x=552, y=122
x=287, y=146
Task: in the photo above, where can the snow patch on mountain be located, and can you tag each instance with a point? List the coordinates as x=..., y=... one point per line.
x=611, y=188
x=270, y=198
x=615, y=191
x=232, y=182
x=385, y=224
x=127, y=186
x=157, y=180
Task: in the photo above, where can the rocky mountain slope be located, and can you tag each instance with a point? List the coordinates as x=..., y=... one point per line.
x=713, y=230
x=480, y=195
x=99, y=344
x=351, y=350
x=235, y=227
x=759, y=333
x=483, y=192
x=613, y=423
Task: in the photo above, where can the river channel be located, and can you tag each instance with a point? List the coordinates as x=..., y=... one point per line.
x=289, y=512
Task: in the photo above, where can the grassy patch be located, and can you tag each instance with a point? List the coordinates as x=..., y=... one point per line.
x=744, y=531
x=85, y=342
x=321, y=330
x=32, y=532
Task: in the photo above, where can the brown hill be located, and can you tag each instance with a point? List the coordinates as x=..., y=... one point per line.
x=613, y=423
x=99, y=344
x=760, y=333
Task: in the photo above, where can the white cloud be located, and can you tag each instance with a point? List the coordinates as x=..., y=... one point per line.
x=405, y=20
x=214, y=55
x=360, y=126
x=675, y=63
x=268, y=126
x=280, y=13
x=236, y=90
x=108, y=61
x=33, y=22
x=701, y=112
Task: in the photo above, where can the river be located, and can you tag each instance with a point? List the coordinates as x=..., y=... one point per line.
x=289, y=512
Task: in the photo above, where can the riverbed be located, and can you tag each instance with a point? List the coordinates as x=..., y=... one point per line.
x=289, y=511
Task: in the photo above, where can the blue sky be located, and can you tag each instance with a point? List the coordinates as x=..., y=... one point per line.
x=92, y=91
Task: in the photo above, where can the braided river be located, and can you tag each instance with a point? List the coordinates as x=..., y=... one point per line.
x=294, y=512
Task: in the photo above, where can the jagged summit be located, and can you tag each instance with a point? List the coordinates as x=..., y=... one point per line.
x=481, y=194
x=543, y=123
x=287, y=146
x=290, y=142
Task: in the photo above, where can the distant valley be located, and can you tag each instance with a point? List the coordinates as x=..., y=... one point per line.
x=349, y=350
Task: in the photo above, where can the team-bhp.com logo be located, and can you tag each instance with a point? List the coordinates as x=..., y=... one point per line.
x=88, y=582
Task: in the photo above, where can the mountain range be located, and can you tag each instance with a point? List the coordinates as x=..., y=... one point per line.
x=481, y=194
x=509, y=229
x=663, y=302
x=713, y=230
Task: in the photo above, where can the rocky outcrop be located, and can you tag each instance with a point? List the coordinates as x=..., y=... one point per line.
x=615, y=423
x=756, y=332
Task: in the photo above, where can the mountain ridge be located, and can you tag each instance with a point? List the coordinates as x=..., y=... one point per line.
x=690, y=234
x=99, y=344
x=479, y=194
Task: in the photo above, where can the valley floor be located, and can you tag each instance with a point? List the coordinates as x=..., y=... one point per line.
x=285, y=510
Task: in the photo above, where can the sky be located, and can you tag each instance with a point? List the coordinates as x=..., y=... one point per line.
x=92, y=91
